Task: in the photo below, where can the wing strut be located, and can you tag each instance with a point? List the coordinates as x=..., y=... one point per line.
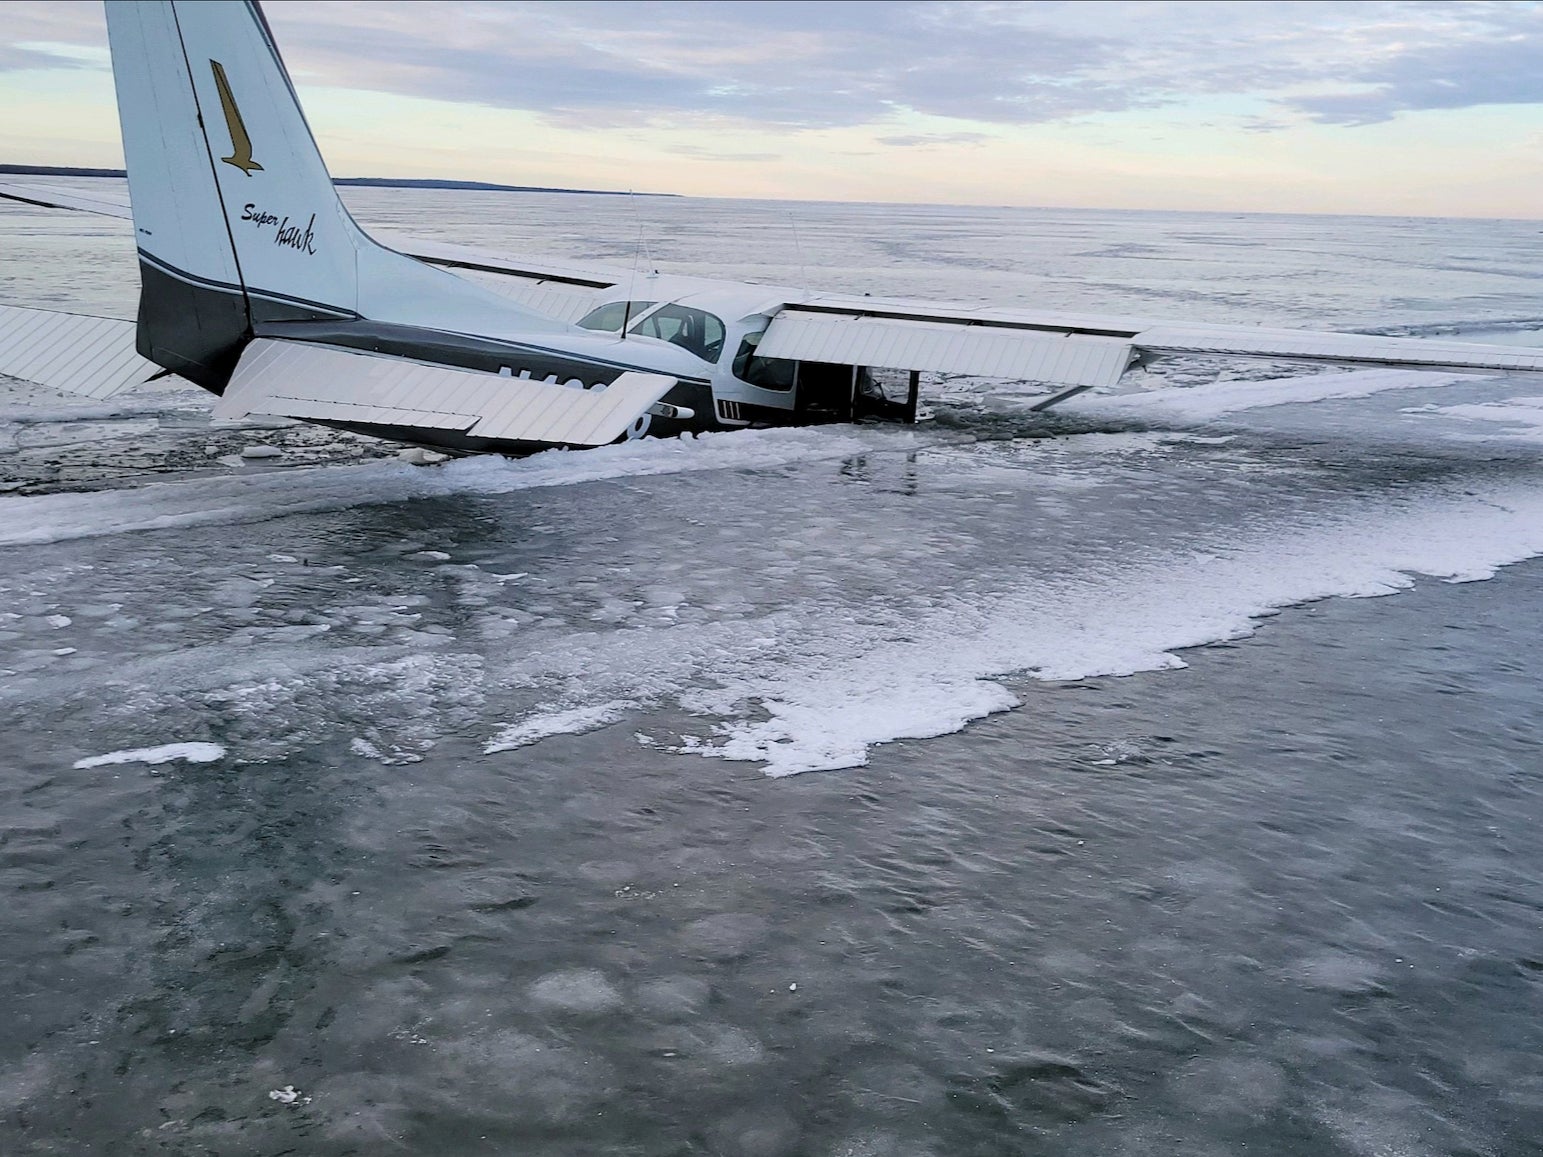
x=912, y=394
x=1057, y=399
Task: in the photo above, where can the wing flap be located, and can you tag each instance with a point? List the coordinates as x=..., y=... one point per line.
x=91, y=356
x=321, y=383
x=963, y=347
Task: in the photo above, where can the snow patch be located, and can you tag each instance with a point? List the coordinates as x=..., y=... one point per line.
x=166, y=753
x=396, y=756
x=570, y=721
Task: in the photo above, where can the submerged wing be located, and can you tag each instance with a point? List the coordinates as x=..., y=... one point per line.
x=325, y=384
x=91, y=356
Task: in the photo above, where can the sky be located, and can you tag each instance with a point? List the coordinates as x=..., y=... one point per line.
x=1403, y=108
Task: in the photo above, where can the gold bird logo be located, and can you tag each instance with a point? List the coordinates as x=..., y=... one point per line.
x=240, y=143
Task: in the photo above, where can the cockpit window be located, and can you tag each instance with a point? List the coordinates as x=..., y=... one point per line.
x=768, y=373
x=694, y=330
x=609, y=317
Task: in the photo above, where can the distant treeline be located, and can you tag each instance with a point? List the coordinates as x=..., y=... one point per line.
x=378, y=182
x=58, y=171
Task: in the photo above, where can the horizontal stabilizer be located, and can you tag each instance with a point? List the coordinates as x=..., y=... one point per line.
x=321, y=383
x=91, y=356
x=960, y=347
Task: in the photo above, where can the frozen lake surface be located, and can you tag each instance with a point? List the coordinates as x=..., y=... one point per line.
x=356, y=807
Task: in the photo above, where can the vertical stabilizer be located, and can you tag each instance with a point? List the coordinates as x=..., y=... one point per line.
x=235, y=215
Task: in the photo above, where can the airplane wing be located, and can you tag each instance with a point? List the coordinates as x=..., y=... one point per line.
x=1082, y=350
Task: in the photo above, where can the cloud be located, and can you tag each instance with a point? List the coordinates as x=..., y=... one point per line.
x=1449, y=77
x=911, y=140
x=15, y=57
x=66, y=34
x=53, y=54
x=787, y=65
x=835, y=64
x=699, y=153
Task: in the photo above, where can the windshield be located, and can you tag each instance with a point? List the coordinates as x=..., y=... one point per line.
x=695, y=330
x=609, y=317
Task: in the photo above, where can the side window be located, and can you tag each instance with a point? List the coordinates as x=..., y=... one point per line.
x=692, y=329
x=713, y=335
x=768, y=373
x=608, y=318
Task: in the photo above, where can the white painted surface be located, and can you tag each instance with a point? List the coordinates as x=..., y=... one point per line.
x=955, y=347
x=91, y=356
x=295, y=380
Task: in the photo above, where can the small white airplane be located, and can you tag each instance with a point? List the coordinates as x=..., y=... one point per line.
x=258, y=285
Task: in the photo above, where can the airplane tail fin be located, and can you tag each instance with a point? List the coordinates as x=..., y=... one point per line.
x=235, y=214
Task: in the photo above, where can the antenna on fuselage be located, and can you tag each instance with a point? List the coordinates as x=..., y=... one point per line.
x=638, y=251
x=798, y=247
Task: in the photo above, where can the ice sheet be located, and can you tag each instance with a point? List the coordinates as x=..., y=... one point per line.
x=880, y=625
x=1523, y=416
